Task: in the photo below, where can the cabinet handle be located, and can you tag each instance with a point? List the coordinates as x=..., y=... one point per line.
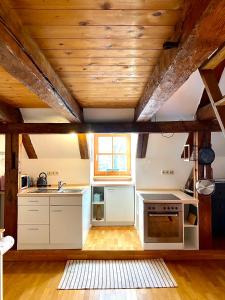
x=33, y=229
x=33, y=209
x=33, y=201
x=111, y=190
x=56, y=210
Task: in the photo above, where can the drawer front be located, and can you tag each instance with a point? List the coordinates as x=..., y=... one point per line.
x=34, y=200
x=33, y=214
x=33, y=234
x=66, y=200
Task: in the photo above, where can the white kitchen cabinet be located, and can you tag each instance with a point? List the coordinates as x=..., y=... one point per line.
x=53, y=222
x=66, y=225
x=119, y=205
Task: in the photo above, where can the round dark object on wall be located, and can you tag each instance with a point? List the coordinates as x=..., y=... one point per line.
x=206, y=156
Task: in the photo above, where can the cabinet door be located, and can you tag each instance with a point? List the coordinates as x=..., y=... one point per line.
x=119, y=205
x=66, y=225
x=33, y=214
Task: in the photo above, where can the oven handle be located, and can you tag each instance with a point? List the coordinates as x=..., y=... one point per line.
x=163, y=215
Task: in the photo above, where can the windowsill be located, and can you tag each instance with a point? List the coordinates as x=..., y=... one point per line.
x=112, y=178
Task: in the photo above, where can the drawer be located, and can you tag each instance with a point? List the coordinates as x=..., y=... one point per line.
x=66, y=200
x=33, y=214
x=33, y=234
x=34, y=200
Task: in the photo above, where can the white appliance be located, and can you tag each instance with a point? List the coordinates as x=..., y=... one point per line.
x=24, y=182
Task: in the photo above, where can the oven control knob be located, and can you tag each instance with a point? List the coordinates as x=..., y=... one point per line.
x=172, y=207
x=164, y=207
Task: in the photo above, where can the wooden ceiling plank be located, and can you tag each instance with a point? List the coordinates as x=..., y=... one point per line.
x=214, y=93
x=97, y=4
x=22, y=58
x=142, y=145
x=100, y=32
x=203, y=22
x=84, y=53
x=139, y=127
x=95, y=44
x=64, y=17
x=83, y=146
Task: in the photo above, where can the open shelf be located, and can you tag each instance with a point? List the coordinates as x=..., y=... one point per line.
x=191, y=238
x=98, y=205
x=187, y=224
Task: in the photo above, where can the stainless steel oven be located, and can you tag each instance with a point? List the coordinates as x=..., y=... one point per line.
x=163, y=223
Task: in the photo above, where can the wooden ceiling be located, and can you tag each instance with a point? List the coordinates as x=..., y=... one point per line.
x=104, y=51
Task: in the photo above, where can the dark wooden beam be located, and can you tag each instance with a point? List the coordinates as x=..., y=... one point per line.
x=215, y=59
x=11, y=184
x=215, y=95
x=140, y=127
x=28, y=146
x=9, y=114
x=142, y=145
x=22, y=58
x=201, y=31
x=83, y=146
x=203, y=139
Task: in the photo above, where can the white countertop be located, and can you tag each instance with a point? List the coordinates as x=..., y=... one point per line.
x=183, y=198
x=27, y=192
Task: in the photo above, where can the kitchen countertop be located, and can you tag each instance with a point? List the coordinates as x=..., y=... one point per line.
x=27, y=192
x=183, y=198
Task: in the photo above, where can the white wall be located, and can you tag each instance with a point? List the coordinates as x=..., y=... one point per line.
x=163, y=153
x=57, y=153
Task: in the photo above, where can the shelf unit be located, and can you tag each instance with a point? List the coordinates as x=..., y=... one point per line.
x=191, y=231
x=98, y=205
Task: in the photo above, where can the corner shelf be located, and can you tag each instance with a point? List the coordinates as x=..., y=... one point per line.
x=98, y=206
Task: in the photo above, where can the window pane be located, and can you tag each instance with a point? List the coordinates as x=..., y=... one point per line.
x=105, y=145
x=104, y=163
x=120, y=163
x=119, y=144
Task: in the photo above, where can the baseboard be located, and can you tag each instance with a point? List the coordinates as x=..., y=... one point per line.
x=63, y=255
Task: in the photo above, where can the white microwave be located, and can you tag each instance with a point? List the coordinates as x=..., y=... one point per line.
x=24, y=182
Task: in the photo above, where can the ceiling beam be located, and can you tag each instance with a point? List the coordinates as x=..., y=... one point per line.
x=22, y=58
x=201, y=31
x=9, y=114
x=138, y=127
x=215, y=59
x=214, y=93
x=83, y=146
x=142, y=145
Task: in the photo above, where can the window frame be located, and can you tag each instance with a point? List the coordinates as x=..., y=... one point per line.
x=128, y=155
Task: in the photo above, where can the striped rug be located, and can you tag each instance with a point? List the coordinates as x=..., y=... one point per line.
x=116, y=274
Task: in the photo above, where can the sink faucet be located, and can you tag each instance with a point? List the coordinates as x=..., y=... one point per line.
x=60, y=184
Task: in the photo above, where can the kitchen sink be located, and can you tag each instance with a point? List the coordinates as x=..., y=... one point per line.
x=56, y=191
x=70, y=191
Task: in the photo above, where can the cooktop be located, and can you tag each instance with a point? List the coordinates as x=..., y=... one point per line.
x=160, y=197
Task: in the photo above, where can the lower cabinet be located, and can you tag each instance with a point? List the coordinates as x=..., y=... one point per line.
x=66, y=225
x=54, y=222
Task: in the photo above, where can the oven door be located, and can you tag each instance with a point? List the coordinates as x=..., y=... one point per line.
x=165, y=227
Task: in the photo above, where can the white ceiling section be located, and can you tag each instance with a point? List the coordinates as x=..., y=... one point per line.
x=41, y=115
x=108, y=114
x=2, y=143
x=184, y=103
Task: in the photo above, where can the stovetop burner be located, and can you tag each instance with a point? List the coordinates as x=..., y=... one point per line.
x=158, y=197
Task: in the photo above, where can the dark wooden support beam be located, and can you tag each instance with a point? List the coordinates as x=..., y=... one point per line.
x=215, y=95
x=201, y=31
x=83, y=146
x=139, y=127
x=28, y=146
x=11, y=184
x=22, y=58
x=9, y=114
x=205, y=209
x=142, y=145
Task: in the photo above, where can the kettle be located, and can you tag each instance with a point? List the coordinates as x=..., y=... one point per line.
x=42, y=180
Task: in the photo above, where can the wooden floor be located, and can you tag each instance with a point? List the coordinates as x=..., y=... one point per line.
x=113, y=238
x=197, y=280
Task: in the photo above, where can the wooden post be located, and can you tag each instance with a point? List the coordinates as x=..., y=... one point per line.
x=205, y=210
x=11, y=184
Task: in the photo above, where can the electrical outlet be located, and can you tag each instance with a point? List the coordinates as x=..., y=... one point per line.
x=167, y=172
x=52, y=173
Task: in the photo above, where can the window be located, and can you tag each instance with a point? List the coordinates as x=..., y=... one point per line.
x=112, y=155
